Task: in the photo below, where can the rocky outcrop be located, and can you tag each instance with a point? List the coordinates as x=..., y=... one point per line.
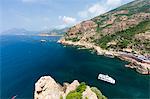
x=89, y=94
x=78, y=31
x=143, y=36
x=70, y=87
x=142, y=68
x=47, y=88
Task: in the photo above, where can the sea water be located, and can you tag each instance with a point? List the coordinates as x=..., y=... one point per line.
x=24, y=59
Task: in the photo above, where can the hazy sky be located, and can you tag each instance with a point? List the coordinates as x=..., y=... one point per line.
x=45, y=14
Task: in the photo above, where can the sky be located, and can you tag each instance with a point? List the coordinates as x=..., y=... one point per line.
x=38, y=15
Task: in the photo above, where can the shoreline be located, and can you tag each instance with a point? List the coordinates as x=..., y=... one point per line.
x=140, y=66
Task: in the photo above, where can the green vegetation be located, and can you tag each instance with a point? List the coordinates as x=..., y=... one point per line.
x=124, y=37
x=124, y=43
x=74, y=95
x=98, y=93
x=81, y=88
x=107, y=25
x=128, y=14
x=98, y=29
x=145, y=8
x=77, y=94
x=133, y=8
x=79, y=33
x=98, y=22
x=61, y=97
x=75, y=39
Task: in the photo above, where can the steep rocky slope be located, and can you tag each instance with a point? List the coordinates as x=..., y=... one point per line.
x=117, y=29
x=47, y=88
x=123, y=32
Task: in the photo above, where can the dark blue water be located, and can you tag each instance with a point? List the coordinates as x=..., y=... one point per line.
x=24, y=59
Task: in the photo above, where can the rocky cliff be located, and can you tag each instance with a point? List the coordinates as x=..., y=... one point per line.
x=47, y=88
x=126, y=26
x=123, y=32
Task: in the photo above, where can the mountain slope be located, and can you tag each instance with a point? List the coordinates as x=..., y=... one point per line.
x=117, y=29
x=123, y=32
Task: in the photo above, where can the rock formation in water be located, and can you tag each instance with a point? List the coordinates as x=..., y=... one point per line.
x=47, y=88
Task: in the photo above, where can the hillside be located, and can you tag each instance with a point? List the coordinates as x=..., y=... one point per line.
x=117, y=29
x=124, y=29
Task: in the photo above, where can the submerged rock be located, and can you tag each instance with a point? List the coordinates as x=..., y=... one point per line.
x=47, y=88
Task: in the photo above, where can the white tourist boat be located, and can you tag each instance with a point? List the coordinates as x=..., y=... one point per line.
x=43, y=40
x=106, y=78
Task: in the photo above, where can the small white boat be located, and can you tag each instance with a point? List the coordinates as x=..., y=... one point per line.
x=106, y=78
x=43, y=40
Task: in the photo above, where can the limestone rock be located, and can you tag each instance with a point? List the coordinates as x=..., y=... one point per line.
x=89, y=93
x=47, y=88
x=72, y=86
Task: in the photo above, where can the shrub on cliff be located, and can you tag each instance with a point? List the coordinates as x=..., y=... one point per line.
x=124, y=37
x=75, y=39
x=98, y=93
x=74, y=95
x=81, y=88
x=77, y=94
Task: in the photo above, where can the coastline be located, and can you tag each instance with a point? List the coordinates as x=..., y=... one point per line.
x=140, y=66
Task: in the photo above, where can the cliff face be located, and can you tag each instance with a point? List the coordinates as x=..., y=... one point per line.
x=47, y=88
x=126, y=26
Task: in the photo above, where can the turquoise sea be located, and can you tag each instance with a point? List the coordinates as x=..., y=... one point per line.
x=24, y=59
